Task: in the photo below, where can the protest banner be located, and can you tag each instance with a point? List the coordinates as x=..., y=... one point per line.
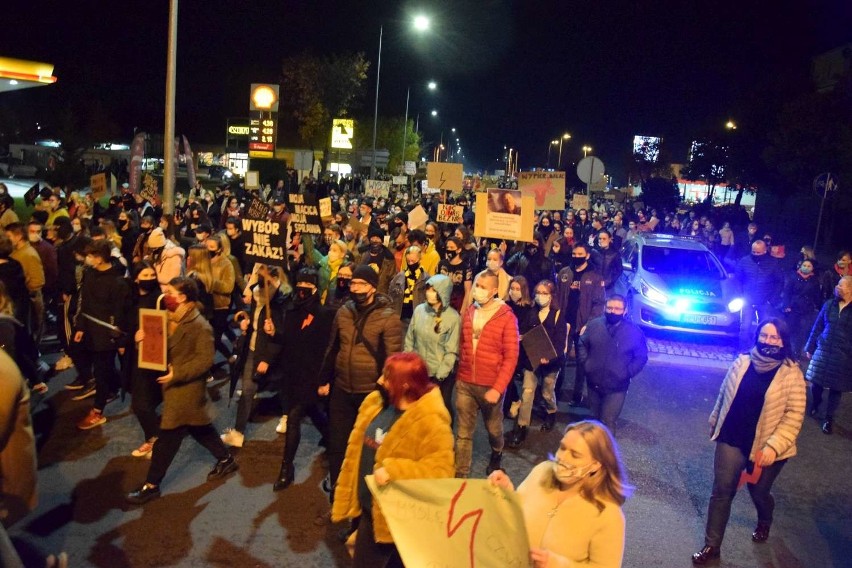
x=410, y=168
x=98, y=185
x=265, y=241
x=504, y=214
x=31, y=194
x=325, y=208
x=153, y=351
x=547, y=188
x=417, y=218
x=451, y=214
x=377, y=188
x=150, y=191
x=579, y=202
x=465, y=523
x=426, y=190
x=445, y=176
x=304, y=214
x=400, y=180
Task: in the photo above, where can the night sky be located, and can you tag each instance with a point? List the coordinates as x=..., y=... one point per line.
x=509, y=73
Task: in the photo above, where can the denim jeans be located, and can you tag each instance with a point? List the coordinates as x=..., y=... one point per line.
x=548, y=393
x=606, y=407
x=728, y=463
x=470, y=399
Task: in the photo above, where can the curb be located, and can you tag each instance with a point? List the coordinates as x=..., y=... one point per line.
x=681, y=361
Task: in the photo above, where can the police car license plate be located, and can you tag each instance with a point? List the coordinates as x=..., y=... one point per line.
x=695, y=318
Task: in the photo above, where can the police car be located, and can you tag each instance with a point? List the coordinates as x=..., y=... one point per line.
x=676, y=283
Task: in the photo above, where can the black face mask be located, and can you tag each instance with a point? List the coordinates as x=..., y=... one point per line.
x=343, y=284
x=375, y=248
x=360, y=298
x=758, y=258
x=451, y=254
x=149, y=285
x=613, y=319
x=771, y=351
x=532, y=251
x=414, y=267
x=302, y=295
x=578, y=262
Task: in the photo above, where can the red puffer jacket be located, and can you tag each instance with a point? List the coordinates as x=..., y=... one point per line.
x=496, y=353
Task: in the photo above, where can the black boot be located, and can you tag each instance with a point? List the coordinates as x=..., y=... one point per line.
x=549, y=422
x=223, y=467
x=285, y=476
x=828, y=426
x=517, y=436
x=494, y=463
x=706, y=555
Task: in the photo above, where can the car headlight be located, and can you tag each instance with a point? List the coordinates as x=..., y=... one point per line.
x=653, y=294
x=735, y=305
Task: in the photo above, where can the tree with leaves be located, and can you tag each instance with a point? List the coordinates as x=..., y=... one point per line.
x=708, y=161
x=389, y=131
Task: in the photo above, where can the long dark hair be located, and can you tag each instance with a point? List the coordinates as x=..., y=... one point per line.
x=783, y=333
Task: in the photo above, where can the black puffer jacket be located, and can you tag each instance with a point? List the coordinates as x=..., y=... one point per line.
x=611, y=354
x=608, y=263
x=831, y=345
x=801, y=295
x=105, y=296
x=761, y=282
x=361, y=340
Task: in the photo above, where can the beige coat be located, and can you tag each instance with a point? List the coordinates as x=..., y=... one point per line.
x=783, y=408
x=17, y=445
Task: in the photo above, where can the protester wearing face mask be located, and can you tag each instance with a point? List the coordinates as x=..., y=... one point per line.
x=224, y=280
x=167, y=257
x=329, y=267
x=146, y=394
x=366, y=330
x=761, y=281
x=186, y=407
x=580, y=289
x=488, y=357
x=531, y=262
x=841, y=267
x=429, y=257
x=800, y=302
x=830, y=343
x=494, y=264
x=611, y=351
x=549, y=315
x=434, y=334
x=379, y=258
x=402, y=431
x=339, y=294
x=458, y=271
x=407, y=289
x=572, y=503
x=756, y=420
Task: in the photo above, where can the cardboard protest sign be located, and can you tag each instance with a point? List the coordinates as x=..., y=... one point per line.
x=325, y=207
x=426, y=190
x=579, y=202
x=153, y=352
x=98, y=185
x=31, y=194
x=451, y=214
x=150, y=191
x=265, y=241
x=304, y=214
x=465, y=523
x=410, y=168
x=417, y=218
x=400, y=180
x=445, y=176
x=548, y=188
x=377, y=188
x=504, y=214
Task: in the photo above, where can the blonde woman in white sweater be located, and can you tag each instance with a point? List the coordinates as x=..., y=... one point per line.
x=757, y=418
x=572, y=503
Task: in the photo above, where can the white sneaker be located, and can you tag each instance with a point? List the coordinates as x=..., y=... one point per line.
x=233, y=438
x=282, y=425
x=63, y=363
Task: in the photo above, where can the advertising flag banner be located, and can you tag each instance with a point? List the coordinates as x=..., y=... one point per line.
x=98, y=185
x=304, y=214
x=265, y=241
x=445, y=176
x=451, y=214
x=137, y=154
x=377, y=188
x=464, y=523
x=190, y=162
x=547, y=188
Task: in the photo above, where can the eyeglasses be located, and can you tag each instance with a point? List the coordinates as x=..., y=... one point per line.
x=765, y=337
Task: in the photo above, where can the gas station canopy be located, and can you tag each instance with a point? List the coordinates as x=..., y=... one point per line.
x=18, y=74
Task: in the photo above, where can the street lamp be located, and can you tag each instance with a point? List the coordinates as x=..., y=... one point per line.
x=432, y=85
x=421, y=23
x=586, y=150
x=434, y=112
x=549, y=148
x=565, y=136
x=731, y=125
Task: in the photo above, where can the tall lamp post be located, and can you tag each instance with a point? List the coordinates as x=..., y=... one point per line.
x=432, y=85
x=549, y=148
x=565, y=137
x=421, y=23
x=586, y=150
x=169, y=146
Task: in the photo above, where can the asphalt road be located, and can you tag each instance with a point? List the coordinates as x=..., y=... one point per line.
x=240, y=521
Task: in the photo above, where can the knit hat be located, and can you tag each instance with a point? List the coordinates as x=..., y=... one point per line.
x=375, y=231
x=156, y=239
x=367, y=274
x=308, y=276
x=402, y=216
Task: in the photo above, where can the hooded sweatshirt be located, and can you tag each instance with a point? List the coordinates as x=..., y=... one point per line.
x=438, y=349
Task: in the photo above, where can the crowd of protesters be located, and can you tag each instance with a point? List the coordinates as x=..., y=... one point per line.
x=322, y=327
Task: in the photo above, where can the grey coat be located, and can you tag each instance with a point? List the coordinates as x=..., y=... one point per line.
x=831, y=345
x=191, y=353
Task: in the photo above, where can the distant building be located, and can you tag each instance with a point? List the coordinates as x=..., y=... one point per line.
x=830, y=67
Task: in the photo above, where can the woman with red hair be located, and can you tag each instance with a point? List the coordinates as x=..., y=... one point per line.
x=406, y=407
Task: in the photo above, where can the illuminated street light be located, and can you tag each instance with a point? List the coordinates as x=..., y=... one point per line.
x=565, y=136
x=421, y=23
x=432, y=85
x=434, y=113
x=549, y=148
x=586, y=150
x=731, y=125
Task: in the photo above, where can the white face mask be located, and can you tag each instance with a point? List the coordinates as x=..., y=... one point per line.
x=569, y=474
x=542, y=300
x=431, y=297
x=493, y=265
x=515, y=295
x=481, y=295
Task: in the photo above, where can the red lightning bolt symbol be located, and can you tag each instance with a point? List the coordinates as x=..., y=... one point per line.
x=451, y=530
x=754, y=476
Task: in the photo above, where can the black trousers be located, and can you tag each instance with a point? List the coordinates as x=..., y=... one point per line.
x=294, y=426
x=101, y=364
x=146, y=396
x=579, y=372
x=372, y=554
x=343, y=410
x=169, y=442
x=220, y=326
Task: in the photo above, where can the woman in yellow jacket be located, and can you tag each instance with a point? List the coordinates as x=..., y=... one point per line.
x=402, y=432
